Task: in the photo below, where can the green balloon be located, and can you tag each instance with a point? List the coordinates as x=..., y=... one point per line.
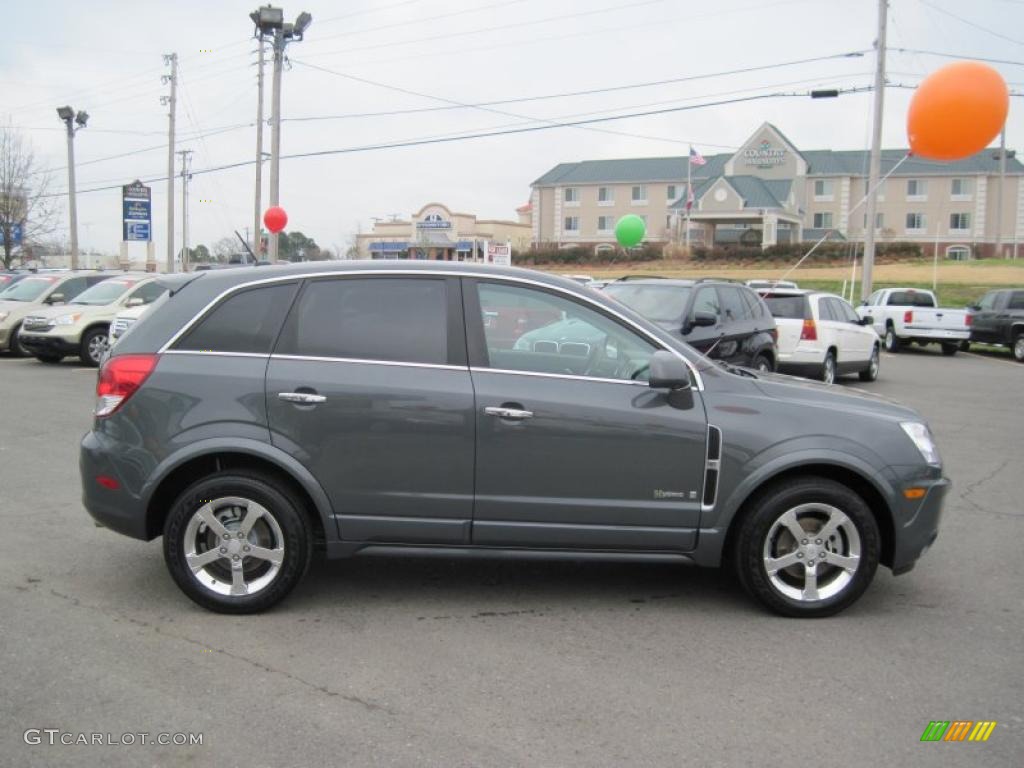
x=630, y=230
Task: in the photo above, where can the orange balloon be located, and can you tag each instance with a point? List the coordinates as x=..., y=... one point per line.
x=957, y=111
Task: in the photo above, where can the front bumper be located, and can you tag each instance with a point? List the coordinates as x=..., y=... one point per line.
x=918, y=530
x=5, y=338
x=47, y=344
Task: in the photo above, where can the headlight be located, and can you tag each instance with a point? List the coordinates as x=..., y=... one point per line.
x=923, y=440
x=66, y=319
x=3, y=316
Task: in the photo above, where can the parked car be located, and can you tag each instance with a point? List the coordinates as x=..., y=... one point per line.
x=821, y=336
x=35, y=292
x=7, y=279
x=724, y=320
x=912, y=315
x=259, y=415
x=764, y=285
x=80, y=327
x=124, y=320
x=998, y=318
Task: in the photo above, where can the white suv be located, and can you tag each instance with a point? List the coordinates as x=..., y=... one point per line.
x=821, y=336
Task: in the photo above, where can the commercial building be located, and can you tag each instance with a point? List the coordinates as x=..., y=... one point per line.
x=438, y=234
x=769, y=191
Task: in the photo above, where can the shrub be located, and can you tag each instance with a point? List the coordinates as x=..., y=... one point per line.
x=550, y=256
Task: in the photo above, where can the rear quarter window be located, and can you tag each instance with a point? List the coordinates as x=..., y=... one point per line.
x=246, y=321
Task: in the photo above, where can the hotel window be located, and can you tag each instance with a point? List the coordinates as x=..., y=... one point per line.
x=917, y=189
x=960, y=189
x=915, y=222
x=671, y=193
x=823, y=220
x=572, y=195
x=960, y=221
x=880, y=194
x=823, y=189
x=605, y=223
x=605, y=196
x=639, y=194
x=572, y=223
x=879, y=221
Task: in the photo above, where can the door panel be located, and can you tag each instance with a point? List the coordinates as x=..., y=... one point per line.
x=588, y=460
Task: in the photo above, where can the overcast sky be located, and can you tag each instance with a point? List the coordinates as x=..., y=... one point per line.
x=104, y=56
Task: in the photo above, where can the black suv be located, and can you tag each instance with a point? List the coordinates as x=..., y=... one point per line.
x=724, y=320
x=999, y=319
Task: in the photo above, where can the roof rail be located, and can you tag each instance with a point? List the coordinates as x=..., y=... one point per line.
x=625, y=278
x=715, y=280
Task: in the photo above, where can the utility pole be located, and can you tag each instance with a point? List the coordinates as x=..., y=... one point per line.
x=999, y=194
x=186, y=157
x=258, y=210
x=172, y=60
x=67, y=114
x=270, y=23
x=874, y=170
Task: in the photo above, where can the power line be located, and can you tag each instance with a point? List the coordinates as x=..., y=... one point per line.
x=958, y=56
x=545, y=97
x=970, y=23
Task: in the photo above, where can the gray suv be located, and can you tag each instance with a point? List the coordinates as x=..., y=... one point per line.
x=256, y=416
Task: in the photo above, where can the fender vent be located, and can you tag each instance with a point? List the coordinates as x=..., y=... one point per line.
x=712, y=466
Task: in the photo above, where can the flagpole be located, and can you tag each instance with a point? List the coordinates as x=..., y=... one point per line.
x=689, y=195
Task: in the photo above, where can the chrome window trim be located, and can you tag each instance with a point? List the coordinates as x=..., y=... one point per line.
x=365, y=361
x=570, y=376
x=351, y=273
x=214, y=353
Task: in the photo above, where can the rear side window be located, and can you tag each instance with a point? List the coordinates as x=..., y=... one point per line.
x=733, y=306
x=792, y=307
x=389, y=319
x=1017, y=300
x=247, y=321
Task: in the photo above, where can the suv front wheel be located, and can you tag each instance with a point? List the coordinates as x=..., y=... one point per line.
x=808, y=548
x=236, y=542
x=94, y=344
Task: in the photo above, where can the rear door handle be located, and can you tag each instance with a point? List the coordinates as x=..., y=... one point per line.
x=302, y=398
x=508, y=413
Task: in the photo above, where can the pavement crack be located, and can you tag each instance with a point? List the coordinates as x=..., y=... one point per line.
x=365, y=703
x=972, y=487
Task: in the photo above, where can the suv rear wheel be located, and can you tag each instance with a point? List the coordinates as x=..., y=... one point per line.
x=871, y=372
x=808, y=548
x=236, y=542
x=828, y=368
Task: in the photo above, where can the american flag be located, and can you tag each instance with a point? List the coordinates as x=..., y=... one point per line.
x=689, y=197
x=696, y=158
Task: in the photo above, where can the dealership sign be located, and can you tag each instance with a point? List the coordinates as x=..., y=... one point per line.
x=136, y=211
x=763, y=156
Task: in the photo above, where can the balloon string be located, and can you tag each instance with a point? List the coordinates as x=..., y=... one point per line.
x=858, y=205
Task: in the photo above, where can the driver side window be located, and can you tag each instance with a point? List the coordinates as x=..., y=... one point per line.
x=535, y=331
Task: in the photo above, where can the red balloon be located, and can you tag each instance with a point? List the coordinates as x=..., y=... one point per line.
x=275, y=218
x=957, y=111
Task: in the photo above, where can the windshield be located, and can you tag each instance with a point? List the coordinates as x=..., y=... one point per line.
x=660, y=303
x=104, y=293
x=28, y=289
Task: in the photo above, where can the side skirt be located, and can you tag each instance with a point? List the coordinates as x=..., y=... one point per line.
x=339, y=550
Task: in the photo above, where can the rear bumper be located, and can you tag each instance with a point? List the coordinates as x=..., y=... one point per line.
x=119, y=509
x=920, y=529
x=933, y=335
x=40, y=344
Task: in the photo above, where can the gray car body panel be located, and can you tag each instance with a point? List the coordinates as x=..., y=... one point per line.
x=498, y=494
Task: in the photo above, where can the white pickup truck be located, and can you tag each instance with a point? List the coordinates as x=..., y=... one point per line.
x=912, y=315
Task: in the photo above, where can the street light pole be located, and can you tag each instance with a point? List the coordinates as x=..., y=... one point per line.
x=172, y=60
x=258, y=209
x=67, y=114
x=874, y=169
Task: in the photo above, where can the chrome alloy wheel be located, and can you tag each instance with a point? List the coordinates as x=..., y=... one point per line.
x=1018, y=348
x=873, y=369
x=829, y=370
x=97, y=346
x=234, y=546
x=812, y=552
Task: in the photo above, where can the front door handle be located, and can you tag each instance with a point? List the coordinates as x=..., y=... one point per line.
x=514, y=414
x=302, y=398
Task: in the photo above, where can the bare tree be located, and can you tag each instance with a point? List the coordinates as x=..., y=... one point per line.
x=24, y=200
x=224, y=249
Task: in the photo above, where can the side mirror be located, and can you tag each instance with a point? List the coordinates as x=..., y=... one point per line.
x=700, y=320
x=668, y=372
x=867, y=320
x=974, y=307
x=135, y=301
x=55, y=298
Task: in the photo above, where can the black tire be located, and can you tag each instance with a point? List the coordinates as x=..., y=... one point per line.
x=892, y=343
x=286, y=511
x=1017, y=348
x=828, y=368
x=50, y=359
x=14, y=345
x=965, y=346
x=762, y=363
x=950, y=349
x=94, y=342
x=756, y=535
x=871, y=372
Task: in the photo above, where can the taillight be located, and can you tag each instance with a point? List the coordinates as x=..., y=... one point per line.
x=119, y=378
x=968, y=319
x=810, y=331
x=908, y=316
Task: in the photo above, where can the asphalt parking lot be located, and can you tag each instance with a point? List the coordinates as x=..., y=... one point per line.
x=418, y=662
